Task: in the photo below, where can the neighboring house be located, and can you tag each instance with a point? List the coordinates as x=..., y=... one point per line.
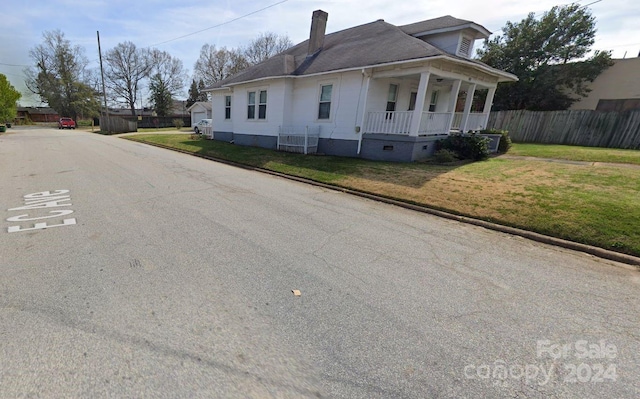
x=126, y=112
x=376, y=91
x=36, y=114
x=199, y=110
x=615, y=89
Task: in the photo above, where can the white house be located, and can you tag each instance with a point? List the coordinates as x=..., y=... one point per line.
x=199, y=110
x=376, y=91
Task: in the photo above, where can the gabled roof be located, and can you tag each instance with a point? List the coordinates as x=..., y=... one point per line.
x=443, y=24
x=204, y=104
x=367, y=45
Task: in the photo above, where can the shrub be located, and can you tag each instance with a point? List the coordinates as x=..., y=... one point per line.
x=466, y=146
x=505, y=140
x=178, y=123
x=445, y=156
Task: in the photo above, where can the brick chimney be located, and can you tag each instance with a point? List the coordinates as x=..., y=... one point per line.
x=318, y=28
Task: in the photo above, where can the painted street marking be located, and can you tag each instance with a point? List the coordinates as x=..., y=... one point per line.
x=42, y=200
x=38, y=226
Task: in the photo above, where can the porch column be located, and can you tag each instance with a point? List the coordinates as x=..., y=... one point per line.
x=467, y=107
x=416, y=118
x=363, y=118
x=487, y=105
x=453, y=99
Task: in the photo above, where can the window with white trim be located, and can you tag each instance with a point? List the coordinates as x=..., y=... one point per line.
x=392, y=98
x=324, y=105
x=261, y=97
x=434, y=101
x=227, y=107
x=251, y=105
x=262, y=105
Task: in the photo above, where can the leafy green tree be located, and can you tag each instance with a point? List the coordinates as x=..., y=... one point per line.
x=166, y=81
x=196, y=93
x=548, y=57
x=61, y=78
x=8, y=97
x=202, y=95
x=161, y=97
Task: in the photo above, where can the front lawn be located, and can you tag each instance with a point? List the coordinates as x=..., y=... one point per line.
x=576, y=153
x=593, y=204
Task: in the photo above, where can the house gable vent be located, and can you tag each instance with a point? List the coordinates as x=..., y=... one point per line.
x=465, y=47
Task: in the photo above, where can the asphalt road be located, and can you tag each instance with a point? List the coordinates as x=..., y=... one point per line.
x=158, y=274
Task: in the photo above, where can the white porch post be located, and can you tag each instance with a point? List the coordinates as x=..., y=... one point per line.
x=416, y=118
x=363, y=118
x=453, y=99
x=467, y=107
x=487, y=105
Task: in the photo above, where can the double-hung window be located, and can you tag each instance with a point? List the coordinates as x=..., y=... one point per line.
x=392, y=97
x=262, y=105
x=261, y=98
x=251, y=107
x=324, y=107
x=434, y=101
x=227, y=107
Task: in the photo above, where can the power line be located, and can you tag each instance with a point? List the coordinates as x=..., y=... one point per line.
x=14, y=65
x=217, y=26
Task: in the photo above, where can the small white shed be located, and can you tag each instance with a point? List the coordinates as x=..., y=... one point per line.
x=199, y=110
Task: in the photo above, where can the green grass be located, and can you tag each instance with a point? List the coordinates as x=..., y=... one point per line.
x=163, y=129
x=576, y=153
x=592, y=204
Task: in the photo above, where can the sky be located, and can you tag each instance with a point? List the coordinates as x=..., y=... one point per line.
x=182, y=27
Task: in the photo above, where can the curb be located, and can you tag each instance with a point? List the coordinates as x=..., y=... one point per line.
x=559, y=242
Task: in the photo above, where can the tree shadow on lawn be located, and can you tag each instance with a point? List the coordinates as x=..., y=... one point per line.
x=325, y=168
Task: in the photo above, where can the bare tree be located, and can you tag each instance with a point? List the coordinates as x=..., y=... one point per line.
x=167, y=78
x=265, y=46
x=214, y=65
x=126, y=67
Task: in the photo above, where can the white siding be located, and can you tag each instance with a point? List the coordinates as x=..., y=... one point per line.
x=275, y=108
x=217, y=111
x=346, y=103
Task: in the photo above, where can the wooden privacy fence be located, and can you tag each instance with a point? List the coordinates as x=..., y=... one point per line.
x=116, y=124
x=579, y=127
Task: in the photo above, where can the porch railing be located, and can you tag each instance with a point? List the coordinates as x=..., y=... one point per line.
x=434, y=123
x=207, y=131
x=476, y=121
x=299, y=139
x=389, y=122
x=399, y=122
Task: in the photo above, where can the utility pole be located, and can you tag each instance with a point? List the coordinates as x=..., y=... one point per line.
x=104, y=92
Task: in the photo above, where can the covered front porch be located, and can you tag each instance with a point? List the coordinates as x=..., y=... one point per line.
x=426, y=104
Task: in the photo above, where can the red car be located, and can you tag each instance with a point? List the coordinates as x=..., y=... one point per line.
x=66, y=123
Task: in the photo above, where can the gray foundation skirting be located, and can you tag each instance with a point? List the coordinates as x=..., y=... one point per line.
x=377, y=147
x=397, y=148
